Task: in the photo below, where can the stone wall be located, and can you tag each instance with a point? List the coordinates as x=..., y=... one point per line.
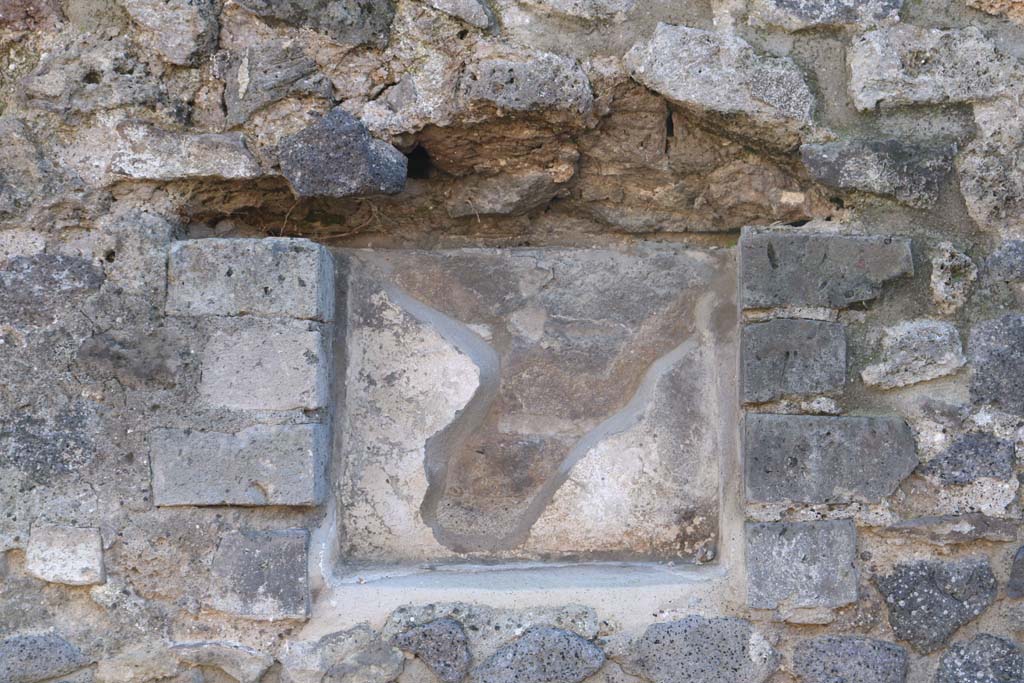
x=511, y=341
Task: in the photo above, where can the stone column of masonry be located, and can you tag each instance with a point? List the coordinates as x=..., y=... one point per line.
x=263, y=308
x=798, y=364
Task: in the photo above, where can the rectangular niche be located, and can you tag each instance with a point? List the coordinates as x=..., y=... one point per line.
x=555, y=404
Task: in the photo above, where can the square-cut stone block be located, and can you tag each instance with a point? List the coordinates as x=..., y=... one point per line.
x=801, y=564
x=260, y=465
x=259, y=364
x=274, y=276
x=792, y=358
x=65, y=554
x=261, y=575
x=536, y=403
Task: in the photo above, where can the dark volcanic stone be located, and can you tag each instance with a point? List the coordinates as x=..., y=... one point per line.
x=348, y=22
x=32, y=287
x=911, y=173
x=792, y=357
x=1007, y=262
x=816, y=459
x=837, y=659
x=929, y=600
x=971, y=457
x=442, y=645
x=261, y=574
x=804, y=269
x=36, y=657
x=725, y=650
x=336, y=157
x=982, y=659
x=542, y=655
x=996, y=352
x=1015, y=586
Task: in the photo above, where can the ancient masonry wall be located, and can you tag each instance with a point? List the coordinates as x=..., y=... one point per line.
x=511, y=341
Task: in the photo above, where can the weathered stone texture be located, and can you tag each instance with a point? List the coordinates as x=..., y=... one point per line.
x=588, y=10
x=357, y=655
x=474, y=12
x=29, y=658
x=347, y=22
x=149, y=153
x=21, y=15
x=65, y=554
x=180, y=30
x=527, y=82
x=828, y=659
x=990, y=168
x=794, y=15
x=541, y=655
x=723, y=650
x=801, y=564
x=929, y=600
x=267, y=73
x=996, y=352
x=1015, y=585
x=953, y=273
x=443, y=647
x=261, y=575
x=911, y=173
x=792, y=358
x=982, y=659
x=1006, y=264
x=277, y=277
x=973, y=456
x=242, y=663
x=816, y=459
x=804, y=269
x=507, y=194
x=915, y=351
x=261, y=465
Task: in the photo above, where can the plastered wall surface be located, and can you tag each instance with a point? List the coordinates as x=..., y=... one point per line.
x=511, y=341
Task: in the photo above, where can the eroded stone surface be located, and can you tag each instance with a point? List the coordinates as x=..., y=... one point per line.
x=819, y=459
x=915, y=351
x=507, y=194
x=792, y=357
x=259, y=76
x=971, y=457
x=1015, y=585
x=803, y=269
x=849, y=658
x=929, y=600
x=588, y=10
x=541, y=655
x=28, y=658
x=242, y=663
x=180, y=30
x=996, y=352
x=347, y=22
x=990, y=168
x=474, y=12
x=794, y=15
x=149, y=153
x=801, y=564
x=356, y=655
x=526, y=82
x=723, y=650
x=982, y=659
x=953, y=273
x=261, y=575
x=65, y=554
x=442, y=645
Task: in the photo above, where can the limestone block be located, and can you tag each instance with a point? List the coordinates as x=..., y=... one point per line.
x=908, y=64
x=259, y=364
x=801, y=564
x=721, y=77
x=792, y=358
x=991, y=168
x=806, y=269
x=179, y=30
x=336, y=157
x=928, y=600
x=915, y=351
x=826, y=659
x=242, y=663
x=274, y=276
x=541, y=655
x=27, y=658
x=441, y=645
x=65, y=554
x=823, y=459
x=261, y=575
x=795, y=16
x=996, y=352
x=912, y=173
x=525, y=81
x=982, y=659
x=149, y=153
x=261, y=465
x=700, y=649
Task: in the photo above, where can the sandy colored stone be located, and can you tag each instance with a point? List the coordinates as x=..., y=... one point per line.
x=65, y=554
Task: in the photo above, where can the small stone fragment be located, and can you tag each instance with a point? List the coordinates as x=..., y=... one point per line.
x=541, y=655
x=792, y=358
x=801, y=564
x=982, y=659
x=336, y=157
x=722, y=650
x=797, y=15
x=65, y=554
x=1006, y=264
x=474, y=12
x=443, y=647
x=261, y=575
x=830, y=659
x=242, y=663
x=261, y=76
x=823, y=459
x=280, y=277
x=358, y=655
x=1015, y=586
x=912, y=173
x=507, y=195
x=928, y=600
x=720, y=77
x=996, y=352
x=347, y=22
x=809, y=269
x=952, y=274
x=915, y=351
x=526, y=82
x=28, y=658
x=956, y=529
x=149, y=153
x=179, y=30
x=991, y=167
x=907, y=64
x=971, y=457
x=142, y=663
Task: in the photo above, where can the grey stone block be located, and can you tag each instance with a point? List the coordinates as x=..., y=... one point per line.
x=807, y=269
x=929, y=600
x=474, y=12
x=541, y=655
x=801, y=564
x=29, y=658
x=532, y=81
x=794, y=15
x=996, y=352
x=953, y=274
x=242, y=663
x=260, y=465
x=346, y=22
x=724, y=650
x=792, y=358
x=65, y=554
x=261, y=364
x=280, y=277
x=441, y=645
x=260, y=76
x=261, y=575
x=830, y=659
x=916, y=351
x=911, y=173
x=1015, y=586
x=982, y=659
x=821, y=459
x=151, y=153
x=971, y=457
x=1006, y=263
x=336, y=157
